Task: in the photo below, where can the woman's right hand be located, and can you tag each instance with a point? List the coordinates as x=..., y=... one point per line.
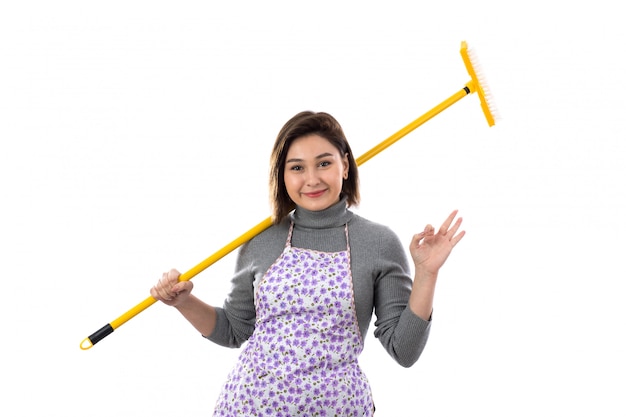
x=170, y=290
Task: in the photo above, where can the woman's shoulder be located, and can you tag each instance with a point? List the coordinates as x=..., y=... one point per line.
x=275, y=234
x=369, y=229
x=374, y=241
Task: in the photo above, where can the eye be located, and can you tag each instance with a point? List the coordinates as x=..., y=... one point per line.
x=325, y=163
x=295, y=168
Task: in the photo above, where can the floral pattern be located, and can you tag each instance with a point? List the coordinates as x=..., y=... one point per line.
x=302, y=359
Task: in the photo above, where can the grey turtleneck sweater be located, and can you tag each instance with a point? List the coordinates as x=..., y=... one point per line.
x=380, y=274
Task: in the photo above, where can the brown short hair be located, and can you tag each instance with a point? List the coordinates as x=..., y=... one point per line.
x=302, y=124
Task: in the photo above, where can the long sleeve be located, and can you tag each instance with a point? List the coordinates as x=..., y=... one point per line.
x=401, y=332
x=237, y=316
x=383, y=278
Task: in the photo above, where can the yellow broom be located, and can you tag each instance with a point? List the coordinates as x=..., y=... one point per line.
x=475, y=85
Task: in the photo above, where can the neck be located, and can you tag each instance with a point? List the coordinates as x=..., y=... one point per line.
x=333, y=216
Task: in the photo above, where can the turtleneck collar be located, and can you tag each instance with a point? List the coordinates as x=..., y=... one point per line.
x=333, y=216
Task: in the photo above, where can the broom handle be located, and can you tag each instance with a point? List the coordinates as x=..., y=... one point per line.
x=110, y=327
x=414, y=125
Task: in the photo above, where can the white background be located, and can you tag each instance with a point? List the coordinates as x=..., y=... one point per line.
x=135, y=137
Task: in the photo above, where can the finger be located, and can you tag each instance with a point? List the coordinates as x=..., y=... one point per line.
x=417, y=238
x=154, y=293
x=457, y=238
x=456, y=226
x=172, y=279
x=446, y=224
x=183, y=287
x=164, y=286
x=158, y=293
x=173, y=276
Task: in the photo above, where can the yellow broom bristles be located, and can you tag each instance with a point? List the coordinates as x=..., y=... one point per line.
x=478, y=84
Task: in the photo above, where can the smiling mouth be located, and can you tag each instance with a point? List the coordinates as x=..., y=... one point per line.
x=315, y=194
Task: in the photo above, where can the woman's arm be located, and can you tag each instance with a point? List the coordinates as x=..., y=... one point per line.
x=429, y=251
x=178, y=294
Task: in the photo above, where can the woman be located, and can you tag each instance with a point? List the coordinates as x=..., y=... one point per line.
x=305, y=289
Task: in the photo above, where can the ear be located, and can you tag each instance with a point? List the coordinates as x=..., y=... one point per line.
x=346, y=166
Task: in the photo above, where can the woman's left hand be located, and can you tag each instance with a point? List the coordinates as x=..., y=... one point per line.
x=430, y=250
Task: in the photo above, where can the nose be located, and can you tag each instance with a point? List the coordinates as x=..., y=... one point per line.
x=311, y=178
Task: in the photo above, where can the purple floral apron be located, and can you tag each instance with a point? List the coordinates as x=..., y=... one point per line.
x=301, y=359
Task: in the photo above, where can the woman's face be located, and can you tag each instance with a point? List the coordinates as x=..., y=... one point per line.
x=314, y=172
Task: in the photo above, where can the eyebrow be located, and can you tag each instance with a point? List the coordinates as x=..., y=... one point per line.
x=320, y=156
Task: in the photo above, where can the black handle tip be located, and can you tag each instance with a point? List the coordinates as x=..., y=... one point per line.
x=97, y=336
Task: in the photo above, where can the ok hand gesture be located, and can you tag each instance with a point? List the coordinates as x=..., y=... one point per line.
x=430, y=250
